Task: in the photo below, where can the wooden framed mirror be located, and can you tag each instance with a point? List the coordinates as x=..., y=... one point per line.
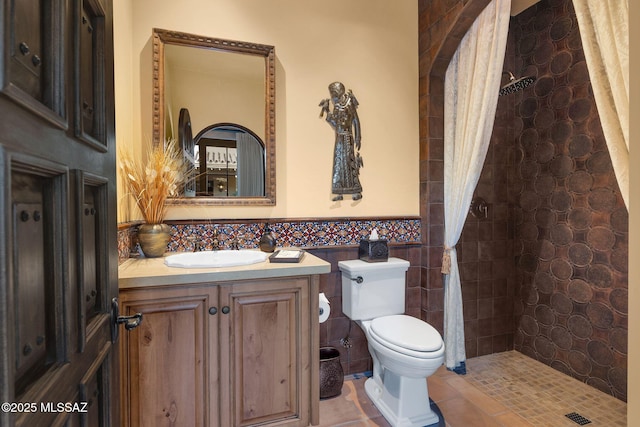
x=217, y=81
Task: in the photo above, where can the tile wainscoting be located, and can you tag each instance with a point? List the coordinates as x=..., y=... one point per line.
x=306, y=234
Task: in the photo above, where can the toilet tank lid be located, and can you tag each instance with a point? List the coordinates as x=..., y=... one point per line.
x=355, y=265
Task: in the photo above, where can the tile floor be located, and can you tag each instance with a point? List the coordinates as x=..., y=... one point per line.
x=503, y=389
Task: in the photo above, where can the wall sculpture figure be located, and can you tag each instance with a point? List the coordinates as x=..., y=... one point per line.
x=343, y=118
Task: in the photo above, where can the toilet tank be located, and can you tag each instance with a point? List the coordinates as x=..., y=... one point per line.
x=381, y=292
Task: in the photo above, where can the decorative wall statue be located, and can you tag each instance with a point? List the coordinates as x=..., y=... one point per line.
x=347, y=162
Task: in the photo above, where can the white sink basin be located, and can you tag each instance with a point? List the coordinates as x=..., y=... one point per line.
x=210, y=259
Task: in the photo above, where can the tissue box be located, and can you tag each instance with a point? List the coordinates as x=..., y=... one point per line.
x=373, y=250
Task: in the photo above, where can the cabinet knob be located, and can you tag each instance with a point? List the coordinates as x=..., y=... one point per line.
x=213, y=310
x=226, y=309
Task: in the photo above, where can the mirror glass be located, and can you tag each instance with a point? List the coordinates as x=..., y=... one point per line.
x=228, y=91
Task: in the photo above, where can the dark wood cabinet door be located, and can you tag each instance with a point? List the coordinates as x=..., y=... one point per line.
x=58, y=249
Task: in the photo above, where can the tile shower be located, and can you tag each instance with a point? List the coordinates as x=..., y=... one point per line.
x=546, y=272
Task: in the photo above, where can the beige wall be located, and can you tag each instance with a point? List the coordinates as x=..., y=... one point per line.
x=123, y=83
x=369, y=45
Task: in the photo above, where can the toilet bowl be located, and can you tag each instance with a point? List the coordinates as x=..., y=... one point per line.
x=416, y=354
x=405, y=350
x=398, y=387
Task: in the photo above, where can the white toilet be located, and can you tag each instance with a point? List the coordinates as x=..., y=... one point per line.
x=405, y=350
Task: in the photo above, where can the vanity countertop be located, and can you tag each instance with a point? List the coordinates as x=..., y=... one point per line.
x=134, y=273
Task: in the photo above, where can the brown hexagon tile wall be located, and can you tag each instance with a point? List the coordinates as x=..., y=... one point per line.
x=572, y=234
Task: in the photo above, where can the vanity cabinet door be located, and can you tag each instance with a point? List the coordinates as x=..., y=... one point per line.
x=268, y=367
x=169, y=362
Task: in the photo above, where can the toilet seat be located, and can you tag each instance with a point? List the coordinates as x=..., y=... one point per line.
x=407, y=335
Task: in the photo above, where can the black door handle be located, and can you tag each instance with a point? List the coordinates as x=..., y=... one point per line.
x=129, y=322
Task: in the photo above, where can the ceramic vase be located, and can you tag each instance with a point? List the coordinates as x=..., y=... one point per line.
x=153, y=239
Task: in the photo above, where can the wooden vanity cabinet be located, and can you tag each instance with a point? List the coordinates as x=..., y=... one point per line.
x=222, y=354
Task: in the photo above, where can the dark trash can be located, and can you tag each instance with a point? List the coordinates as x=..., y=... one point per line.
x=331, y=374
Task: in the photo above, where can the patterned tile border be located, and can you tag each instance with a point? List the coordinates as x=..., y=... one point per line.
x=126, y=241
x=300, y=233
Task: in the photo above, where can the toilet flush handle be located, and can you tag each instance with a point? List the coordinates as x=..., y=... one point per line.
x=358, y=279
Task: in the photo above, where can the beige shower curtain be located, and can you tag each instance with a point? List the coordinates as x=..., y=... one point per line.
x=604, y=30
x=250, y=166
x=472, y=84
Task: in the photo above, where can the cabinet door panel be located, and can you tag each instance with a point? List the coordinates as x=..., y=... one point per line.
x=268, y=354
x=168, y=358
x=265, y=341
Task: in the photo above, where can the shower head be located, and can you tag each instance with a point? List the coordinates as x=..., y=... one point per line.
x=516, y=85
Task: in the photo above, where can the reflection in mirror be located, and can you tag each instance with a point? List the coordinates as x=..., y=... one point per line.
x=224, y=82
x=186, y=143
x=229, y=162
